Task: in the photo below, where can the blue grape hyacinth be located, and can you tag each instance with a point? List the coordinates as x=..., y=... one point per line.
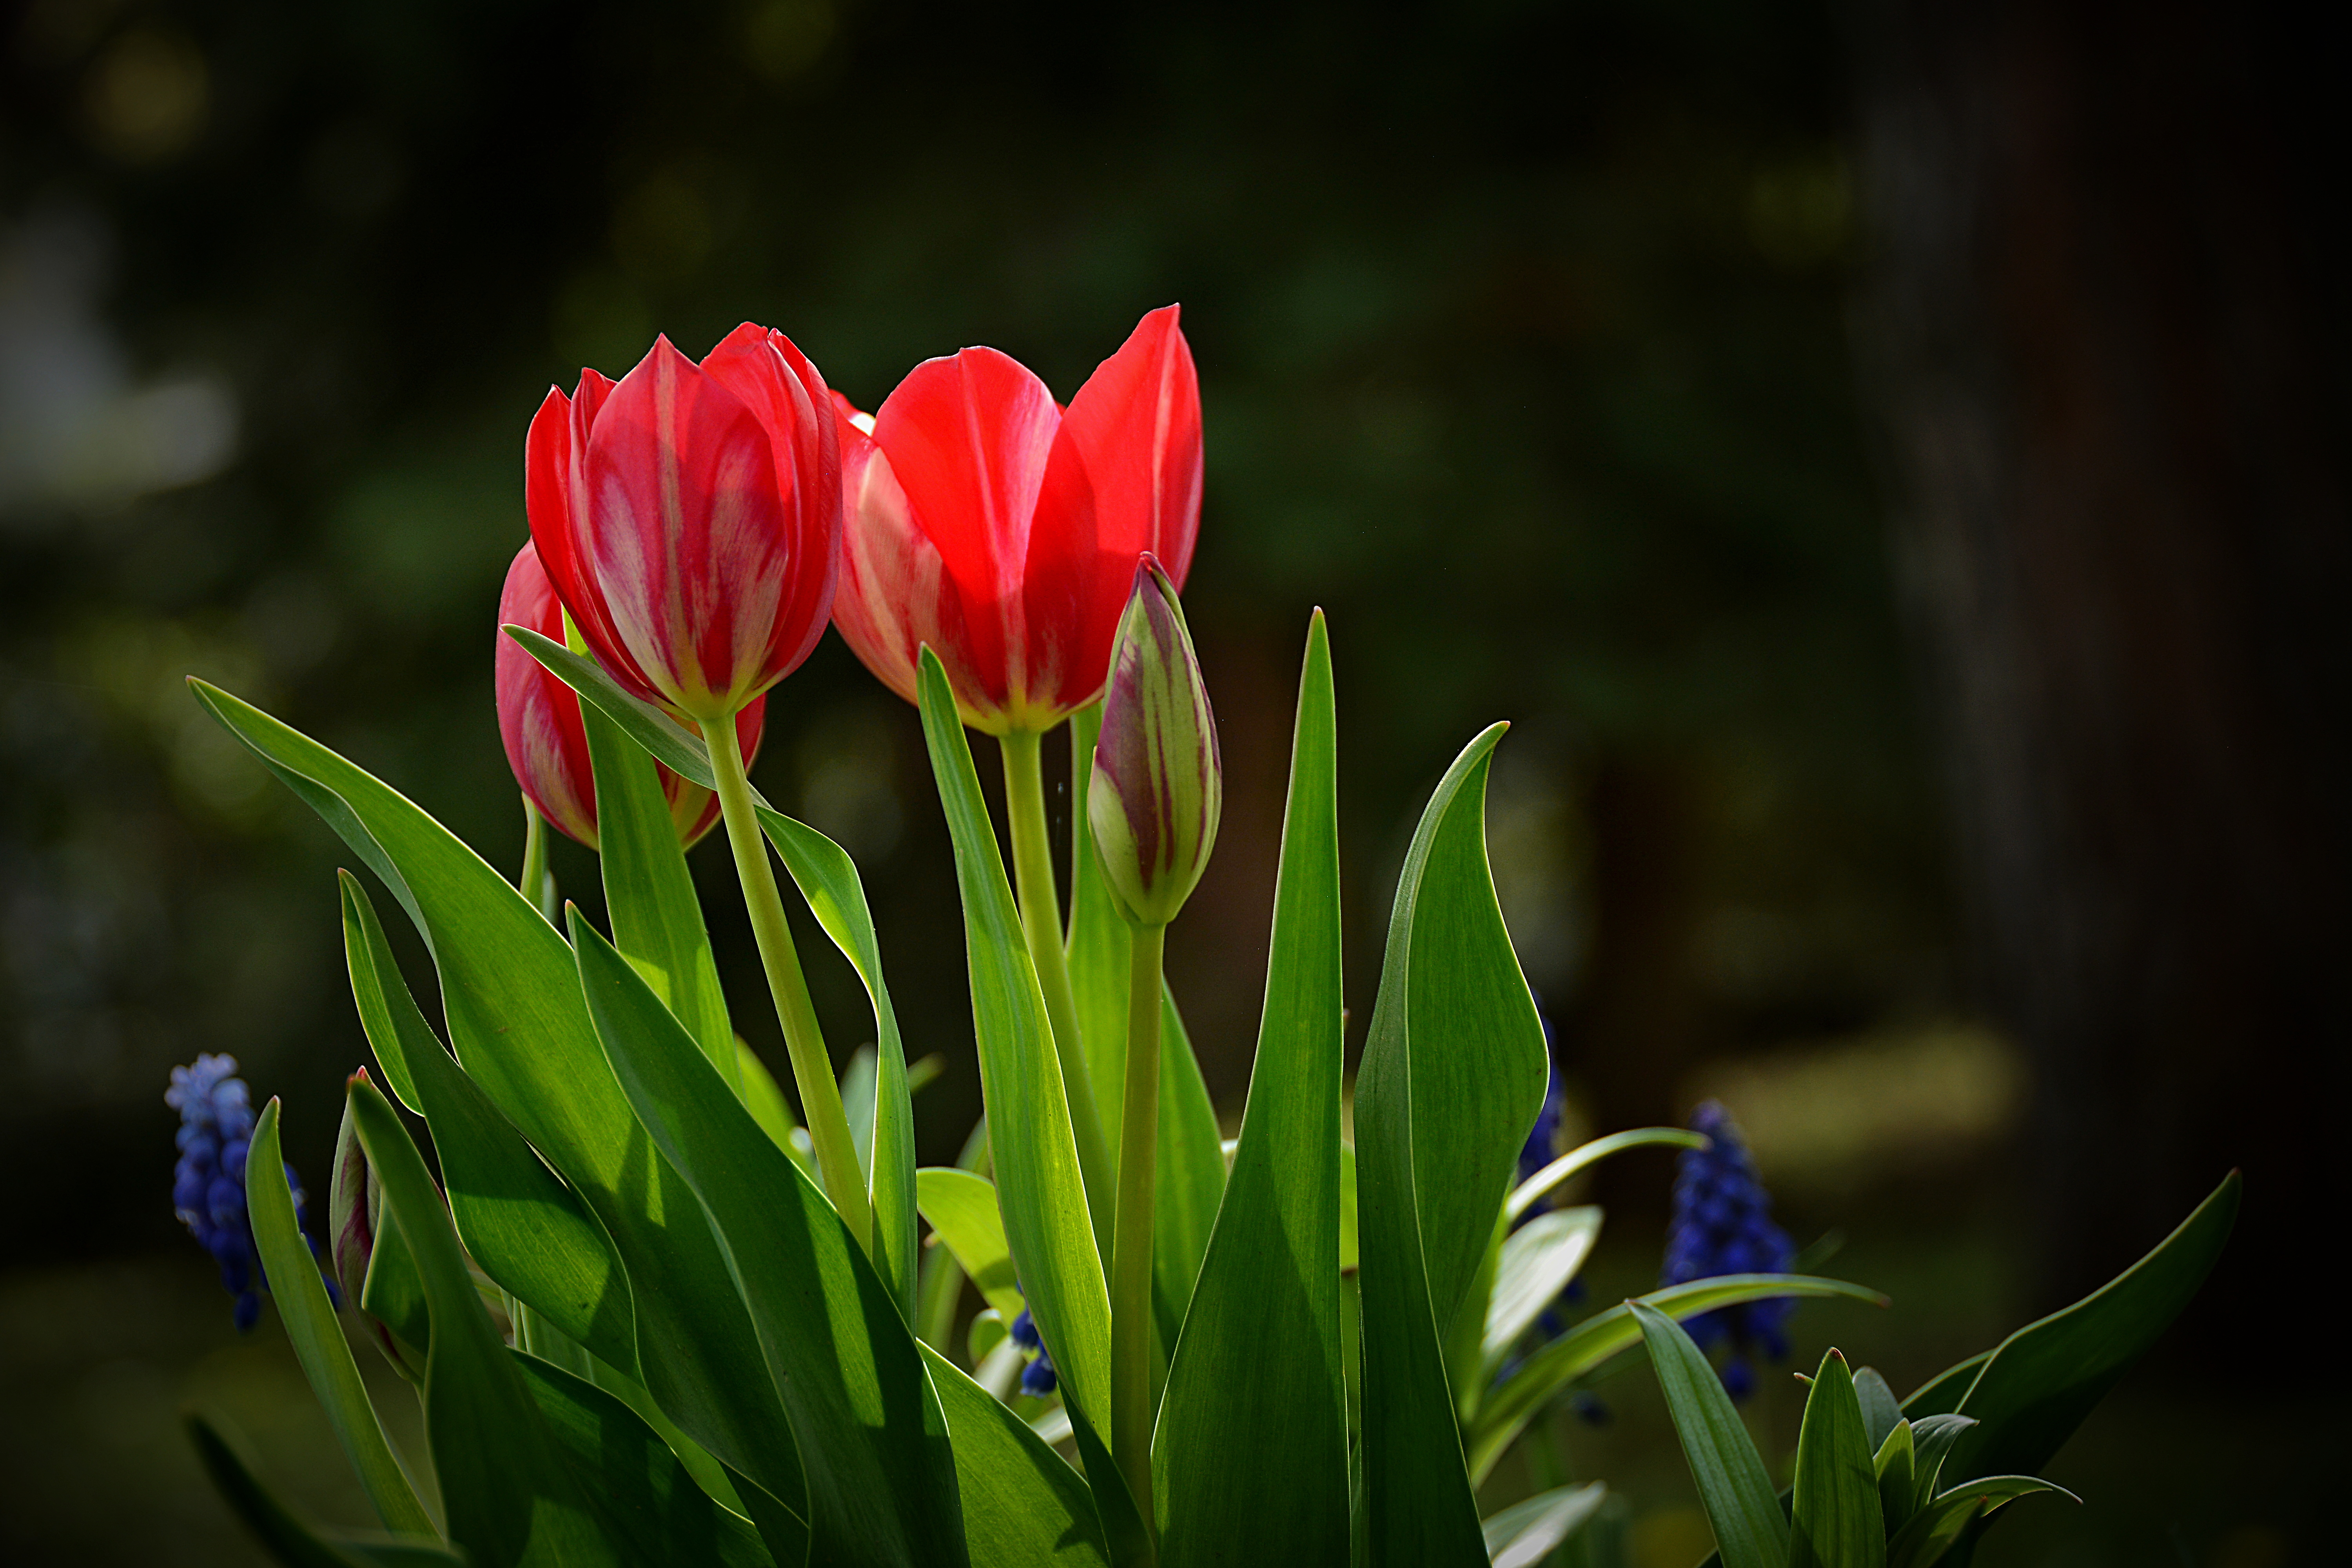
x=1723, y=1225
x=208, y=1182
x=1038, y=1379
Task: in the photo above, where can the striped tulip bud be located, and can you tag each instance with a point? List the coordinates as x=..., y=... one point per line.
x=1158, y=786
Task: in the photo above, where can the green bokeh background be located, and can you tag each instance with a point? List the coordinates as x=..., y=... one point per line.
x=1522, y=339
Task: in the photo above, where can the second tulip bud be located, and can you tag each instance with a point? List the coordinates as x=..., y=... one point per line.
x=1157, y=783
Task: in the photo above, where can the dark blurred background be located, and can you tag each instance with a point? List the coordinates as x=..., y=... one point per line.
x=1887, y=460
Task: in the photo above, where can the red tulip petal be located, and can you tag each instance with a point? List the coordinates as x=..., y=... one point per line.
x=1125, y=479
x=538, y=716
x=684, y=534
x=967, y=438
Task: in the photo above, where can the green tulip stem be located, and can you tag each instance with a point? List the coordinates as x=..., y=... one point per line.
x=1041, y=921
x=1130, y=1268
x=534, y=857
x=828, y=1124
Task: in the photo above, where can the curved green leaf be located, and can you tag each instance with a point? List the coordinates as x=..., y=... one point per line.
x=1932, y=1438
x=1022, y=1504
x=1896, y=1464
x=881, y=1481
x=1538, y=1263
x=648, y=1504
x=649, y=892
x=1733, y=1485
x=525, y=1228
x=961, y=1207
x=1528, y=1193
x=668, y=742
x=1879, y=1410
x=1835, y=1520
x=1189, y=1175
x=393, y=1030
x=1037, y=1180
x=1937, y=1528
x=510, y=996
x=288, y=1538
x=1519, y=1397
x=510, y=1495
x=326, y=1356
x=828, y=879
x=1451, y=1077
x=2046, y=1377
x=1251, y=1452
x=1526, y=1533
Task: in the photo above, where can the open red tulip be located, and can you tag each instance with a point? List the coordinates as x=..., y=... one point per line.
x=983, y=520
x=689, y=517
x=538, y=719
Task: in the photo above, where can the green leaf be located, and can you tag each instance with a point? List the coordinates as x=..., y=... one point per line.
x=295, y=1285
x=1453, y=1074
x=1465, y=1337
x=881, y=1482
x=962, y=1208
x=1098, y=944
x=1581, y=1158
x=1037, y=1180
x=1938, y=1527
x=526, y=1229
x=767, y=1104
x=668, y=742
x=1835, y=1519
x=1518, y=1398
x=828, y=879
x=650, y=1507
x=2047, y=1376
x=1022, y=1504
x=511, y=995
x=391, y=1032
x=1933, y=1437
x=1189, y=1179
x=393, y=1295
x=1879, y=1410
x=1898, y=1478
x=649, y=892
x=288, y=1537
x=1733, y=1486
x=1523, y=1534
x=1251, y=1453
x=510, y=1495
x=1941, y=1395
x=1539, y=1261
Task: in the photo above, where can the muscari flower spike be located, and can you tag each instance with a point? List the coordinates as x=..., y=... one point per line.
x=1038, y=1379
x=208, y=1182
x=1723, y=1225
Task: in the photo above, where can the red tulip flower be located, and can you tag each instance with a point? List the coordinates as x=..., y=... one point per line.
x=983, y=520
x=689, y=517
x=538, y=719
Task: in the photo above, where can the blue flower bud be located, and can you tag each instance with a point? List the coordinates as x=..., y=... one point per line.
x=1722, y=1223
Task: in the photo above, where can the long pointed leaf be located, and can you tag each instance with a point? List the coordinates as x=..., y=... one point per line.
x=1834, y=1517
x=2045, y=1378
x=511, y=995
x=650, y=894
x=1189, y=1173
x=962, y=1208
x=881, y=1481
x=526, y=1229
x=1522, y=1395
x=1540, y=1260
x=1733, y=1485
x=1037, y=1179
x=1022, y=1504
x=1251, y=1453
x=651, y=1507
x=512, y=1497
x=290, y=1539
x=828, y=879
x=1526, y=1533
x=1453, y=1075
x=319, y=1343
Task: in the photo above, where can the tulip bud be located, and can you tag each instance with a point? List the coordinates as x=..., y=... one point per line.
x=354, y=1203
x=1158, y=784
x=546, y=742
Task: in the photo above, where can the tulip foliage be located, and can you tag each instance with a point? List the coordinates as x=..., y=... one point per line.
x=653, y=1320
